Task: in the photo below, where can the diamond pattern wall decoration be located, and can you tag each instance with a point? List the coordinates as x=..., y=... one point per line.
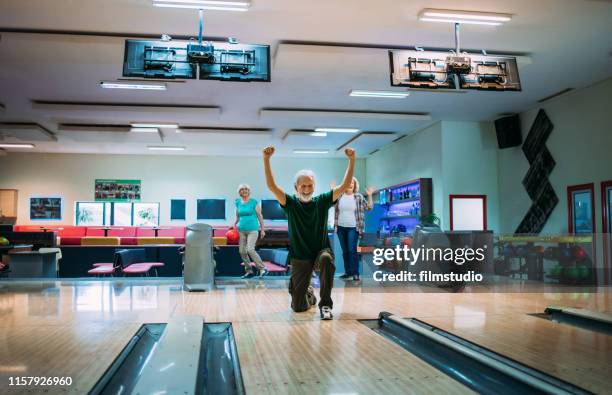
x=541, y=164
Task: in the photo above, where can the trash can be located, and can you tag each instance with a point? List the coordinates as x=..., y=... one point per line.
x=199, y=270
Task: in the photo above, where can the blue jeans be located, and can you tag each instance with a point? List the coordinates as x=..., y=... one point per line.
x=348, y=241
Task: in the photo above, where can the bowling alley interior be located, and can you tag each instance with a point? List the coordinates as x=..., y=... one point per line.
x=322, y=197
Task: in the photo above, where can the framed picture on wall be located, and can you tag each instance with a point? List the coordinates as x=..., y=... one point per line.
x=468, y=212
x=90, y=213
x=146, y=214
x=581, y=208
x=46, y=208
x=177, y=209
x=117, y=190
x=210, y=209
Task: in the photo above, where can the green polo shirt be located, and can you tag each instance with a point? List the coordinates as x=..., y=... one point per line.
x=308, y=225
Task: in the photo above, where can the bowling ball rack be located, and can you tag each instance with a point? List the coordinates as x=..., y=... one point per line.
x=525, y=256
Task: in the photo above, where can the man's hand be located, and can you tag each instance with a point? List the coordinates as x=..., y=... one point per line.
x=369, y=191
x=268, y=152
x=350, y=153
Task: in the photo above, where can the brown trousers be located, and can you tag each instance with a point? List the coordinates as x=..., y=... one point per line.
x=301, y=274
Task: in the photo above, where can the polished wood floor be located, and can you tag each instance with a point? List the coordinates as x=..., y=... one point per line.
x=76, y=329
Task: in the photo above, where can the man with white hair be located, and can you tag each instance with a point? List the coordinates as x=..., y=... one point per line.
x=309, y=247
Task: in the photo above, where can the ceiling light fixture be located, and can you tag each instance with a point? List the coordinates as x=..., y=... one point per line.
x=144, y=130
x=469, y=17
x=383, y=94
x=165, y=148
x=310, y=151
x=318, y=134
x=204, y=5
x=155, y=125
x=131, y=85
x=16, y=145
x=337, y=130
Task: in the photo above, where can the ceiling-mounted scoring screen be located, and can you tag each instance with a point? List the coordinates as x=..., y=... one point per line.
x=190, y=60
x=435, y=70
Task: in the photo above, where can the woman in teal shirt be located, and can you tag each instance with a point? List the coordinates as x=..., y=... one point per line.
x=250, y=225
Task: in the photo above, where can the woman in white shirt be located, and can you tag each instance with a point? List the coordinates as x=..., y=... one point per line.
x=349, y=226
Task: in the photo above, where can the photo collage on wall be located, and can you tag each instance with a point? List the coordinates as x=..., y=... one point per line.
x=117, y=190
x=46, y=208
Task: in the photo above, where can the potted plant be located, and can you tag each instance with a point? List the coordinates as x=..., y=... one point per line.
x=430, y=220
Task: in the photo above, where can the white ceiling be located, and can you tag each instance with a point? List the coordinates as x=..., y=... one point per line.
x=51, y=79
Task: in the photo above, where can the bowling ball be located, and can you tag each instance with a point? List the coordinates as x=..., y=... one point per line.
x=407, y=241
x=571, y=272
x=395, y=241
x=579, y=253
x=556, y=271
x=509, y=251
x=4, y=241
x=583, y=271
x=232, y=237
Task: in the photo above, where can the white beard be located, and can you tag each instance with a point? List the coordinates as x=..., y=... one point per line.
x=305, y=198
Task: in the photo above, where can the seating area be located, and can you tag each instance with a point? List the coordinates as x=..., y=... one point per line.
x=70, y=235
x=91, y=250
x=126, y=262
x=114, y=235
x=276, y=260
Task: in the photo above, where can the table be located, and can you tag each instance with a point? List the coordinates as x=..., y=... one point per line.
x=106, y=229
x=157, y=229
x=45, y=229
x=5, y=250
x=33, y=264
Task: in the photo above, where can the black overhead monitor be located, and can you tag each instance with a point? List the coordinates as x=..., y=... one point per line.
x=271, y=209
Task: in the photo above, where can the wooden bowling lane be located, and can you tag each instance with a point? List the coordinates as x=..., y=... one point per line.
x=324, y=357
x=579, y=356
x=82, y=353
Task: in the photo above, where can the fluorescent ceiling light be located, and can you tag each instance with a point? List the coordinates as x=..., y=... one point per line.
x=458, y=16
x=203, y=5
x=460, y=21
x=207, y=2
x=144, y=130
x=318, y=134
x=337, y=130
x=132, y=85
x=155, y=125
x=165, y=148
x=310, y=151
x=383, y=94
x=10, y=145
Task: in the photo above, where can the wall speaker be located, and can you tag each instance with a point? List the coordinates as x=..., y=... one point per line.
x=508, y=131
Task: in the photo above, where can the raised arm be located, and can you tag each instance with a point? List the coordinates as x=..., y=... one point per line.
x=278, y=193
x=348, y=176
